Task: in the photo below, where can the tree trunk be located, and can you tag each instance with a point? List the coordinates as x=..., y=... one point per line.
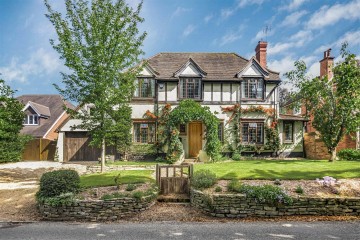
x=333, y=155
x=103, y=148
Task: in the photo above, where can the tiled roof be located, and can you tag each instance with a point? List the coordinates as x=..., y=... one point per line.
x=44, y=103
x=218, y=66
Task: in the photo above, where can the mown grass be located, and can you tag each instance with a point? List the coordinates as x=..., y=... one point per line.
x=129, y=163
x=283, y=169
x=108, y=178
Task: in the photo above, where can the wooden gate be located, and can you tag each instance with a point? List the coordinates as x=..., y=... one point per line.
x=173, y=178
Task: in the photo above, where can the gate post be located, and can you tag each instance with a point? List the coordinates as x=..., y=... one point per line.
x=157, y=172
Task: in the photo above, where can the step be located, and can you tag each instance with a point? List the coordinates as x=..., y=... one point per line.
x=174, y=198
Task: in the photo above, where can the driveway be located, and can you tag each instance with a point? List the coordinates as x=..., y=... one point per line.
x=178, y=230
x=19, y=184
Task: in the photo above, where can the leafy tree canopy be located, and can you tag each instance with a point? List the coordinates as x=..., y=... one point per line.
x=100, y=44
x=11, y=119
x=333, y=103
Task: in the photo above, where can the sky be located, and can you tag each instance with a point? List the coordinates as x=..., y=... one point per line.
x=296, y=29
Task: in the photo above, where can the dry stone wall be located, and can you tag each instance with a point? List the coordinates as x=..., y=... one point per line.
x=96, y=210
x=238, y=206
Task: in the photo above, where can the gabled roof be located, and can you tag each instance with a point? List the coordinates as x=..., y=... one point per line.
x=256, y=64
x=51, y=106
x=40, y=110
x=217, y=66
x=190, y=62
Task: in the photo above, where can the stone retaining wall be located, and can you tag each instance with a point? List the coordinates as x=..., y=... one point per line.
x=238, y=206
x=109, y=168
x=96, y=210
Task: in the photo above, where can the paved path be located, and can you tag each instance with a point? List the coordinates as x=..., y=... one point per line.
x=176, y=230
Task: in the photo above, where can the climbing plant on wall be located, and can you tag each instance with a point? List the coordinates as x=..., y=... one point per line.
x=187, y=111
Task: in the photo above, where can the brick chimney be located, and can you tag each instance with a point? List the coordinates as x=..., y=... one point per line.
x=326, y=65
x=260, y=51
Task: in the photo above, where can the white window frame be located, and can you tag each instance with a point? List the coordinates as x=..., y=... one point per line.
x=30, y=120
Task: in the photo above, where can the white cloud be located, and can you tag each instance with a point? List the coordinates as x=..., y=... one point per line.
x=293, y=5
x=293, y=19
x=231, y=36
x=188, y=30
x=180, y=11
x=279, y=48
x=208, y=18
x=314, y=69
x=297, y=40
x=225, y=13
x=40, y=62
x=284, y=65
x=261, y=35
x=244, y=3
x=331, y=15
x=352, y=38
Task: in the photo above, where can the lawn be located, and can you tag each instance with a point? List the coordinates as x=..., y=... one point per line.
x=107, y=179
x=283, y=169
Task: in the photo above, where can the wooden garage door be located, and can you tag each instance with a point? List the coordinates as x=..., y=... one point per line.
x=77, y=148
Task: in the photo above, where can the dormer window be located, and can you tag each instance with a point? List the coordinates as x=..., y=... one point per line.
x=31, y=120
x=190, y=88
x=145, y=88
x=253, y=88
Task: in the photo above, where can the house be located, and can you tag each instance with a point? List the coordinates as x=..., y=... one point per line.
x=313, y=145
x=44, y=114
x=220, y=81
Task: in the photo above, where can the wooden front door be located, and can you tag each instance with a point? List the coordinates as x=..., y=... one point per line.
x=195, y=138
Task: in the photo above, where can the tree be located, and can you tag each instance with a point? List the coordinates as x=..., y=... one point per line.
x=333, y=103
x=100, y=44
x=11, y=120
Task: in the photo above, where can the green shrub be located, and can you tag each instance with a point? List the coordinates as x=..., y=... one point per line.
x=63, y=199
x=218, y=189
x=138, y=194
x=349, y=154
x=203, y=179
x=236, y=156
x=299, y=190
x=263, y=194
x=58, y=182
x=130, y=187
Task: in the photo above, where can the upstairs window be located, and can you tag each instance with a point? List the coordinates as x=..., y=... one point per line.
x=253, y=88
x=145, y=88
x=31, y=120
x=190, y=88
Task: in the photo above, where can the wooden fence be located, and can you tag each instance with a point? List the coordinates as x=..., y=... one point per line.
x=39, y=149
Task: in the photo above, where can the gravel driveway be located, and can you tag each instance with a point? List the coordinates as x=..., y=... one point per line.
x=19, y=184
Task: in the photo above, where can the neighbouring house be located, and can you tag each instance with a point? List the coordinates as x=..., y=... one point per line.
x=314, y=146
x=44, y=114
x=220, y=81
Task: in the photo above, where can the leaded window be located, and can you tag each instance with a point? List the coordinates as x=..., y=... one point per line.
x=252, y=132
x=145, y=88
x=144, y=132
x=190, y=88
x=288, y=132
x=253, y=88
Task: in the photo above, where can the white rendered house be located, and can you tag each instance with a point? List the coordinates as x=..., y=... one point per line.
x=219, y=81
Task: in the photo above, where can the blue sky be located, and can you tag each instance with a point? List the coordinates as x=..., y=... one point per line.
x=300, y=29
